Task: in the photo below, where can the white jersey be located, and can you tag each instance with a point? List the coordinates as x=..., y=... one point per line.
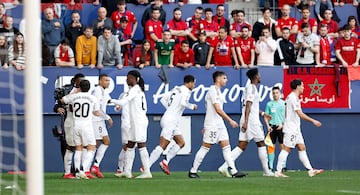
x=251, y=94
x=292, y=119
x=136, y=101
x=176, y=101
x=69, y=121
x=103, y=98
x=212, y=118
x=125, y=115
x=83, y=105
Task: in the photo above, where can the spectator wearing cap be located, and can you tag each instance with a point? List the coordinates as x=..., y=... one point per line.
x=201, y=50
x=64, y=55
x=125, y=41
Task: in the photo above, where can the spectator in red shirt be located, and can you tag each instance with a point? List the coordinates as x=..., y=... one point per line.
x=209, y=26
x=245, y=48
x=145, y=56
x=64, y=55
x=325, y=47
x=219, y=17
x=287, y=21
x=178, y=28
x=154, y=27
x=130, y=16
x=347, y=49
x=333, y=26
x=184, y=57
x=235, y=28
x=2, y=15
x=194, y=24
x=305, y=12
x=223, y=50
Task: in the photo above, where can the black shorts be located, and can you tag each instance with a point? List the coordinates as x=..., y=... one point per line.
x=276, y=134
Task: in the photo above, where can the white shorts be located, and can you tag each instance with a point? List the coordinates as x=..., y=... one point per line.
x=169, y=129
x=84, y=135
x=213, y=135
x=138, y=132
x=125, y=135
x=69, y=132
x=100, y=129
x=291, y=139
x=255, y=132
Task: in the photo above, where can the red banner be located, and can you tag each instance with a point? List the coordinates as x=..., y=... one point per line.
x=325, y=87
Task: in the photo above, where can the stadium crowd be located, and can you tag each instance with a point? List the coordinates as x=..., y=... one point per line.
x=206, y=39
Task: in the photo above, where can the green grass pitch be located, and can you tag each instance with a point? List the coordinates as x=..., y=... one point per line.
x=329, y=182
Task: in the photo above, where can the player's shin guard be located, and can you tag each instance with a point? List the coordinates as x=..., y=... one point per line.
x=264, y=159
x=199, y=158
x=68, y=161
x=129, y=156
x=281, y=160
x=144, y=156
x=172, y=152
x=100, y=154
x=155, y=154
x=305, y=160
x=228, y=159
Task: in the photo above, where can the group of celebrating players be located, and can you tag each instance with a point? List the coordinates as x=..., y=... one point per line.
x=86, y=116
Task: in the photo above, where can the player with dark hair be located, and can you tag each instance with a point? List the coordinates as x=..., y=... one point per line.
x=276, y=109
x=136, y=101
x=84, y=107
x=292, y=131
x=214, y=127
x=100, y=130
x=251, y=127
x=175, y=102
x=67, y=124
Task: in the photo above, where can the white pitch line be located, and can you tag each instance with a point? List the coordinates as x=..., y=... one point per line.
x=348, y=191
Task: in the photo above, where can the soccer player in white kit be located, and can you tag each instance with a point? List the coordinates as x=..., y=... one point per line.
x=125, y=129
x=175, y=102
x=214, y=127
x=251, y=127
x=136, y=100
x=100, y=130
x=69, y=128
x=292, y=131
x=84, y=105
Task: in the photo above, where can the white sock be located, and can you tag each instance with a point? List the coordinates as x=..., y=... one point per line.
x=155, y=154
x=129, y=159
x=121, y=160
x=235, y=153
x=281, y=160
x=305, y=160
x=201, y=153
x=67, y=161
x=100, y=154
x=83, y=156
x=77, y=159
x=89, y=156
x=144, y=156
x=228, y=159
x=172, y=152
x=264, y=159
